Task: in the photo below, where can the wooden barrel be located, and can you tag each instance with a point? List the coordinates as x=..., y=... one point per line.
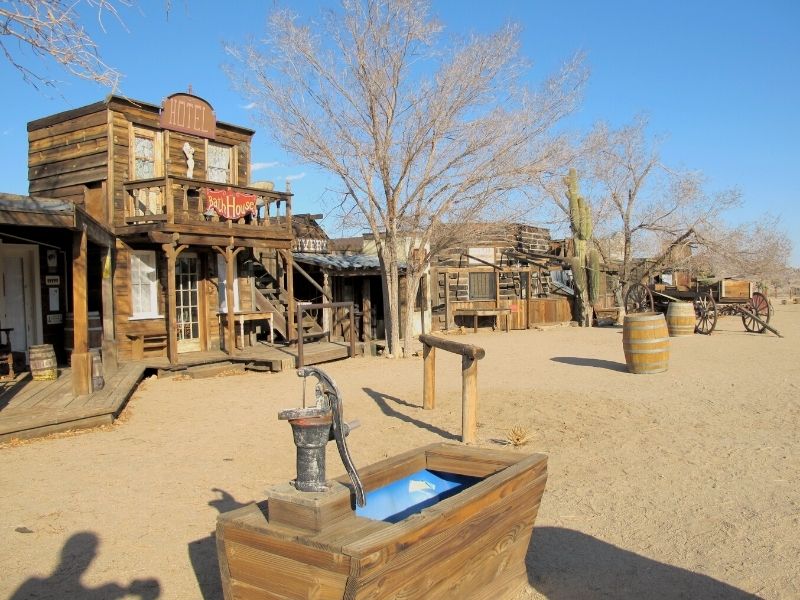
x=680, y=318
x=645, y=340
x=95, y=331
x=43, y=362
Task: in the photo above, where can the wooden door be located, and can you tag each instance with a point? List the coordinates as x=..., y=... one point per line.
x=187, y=302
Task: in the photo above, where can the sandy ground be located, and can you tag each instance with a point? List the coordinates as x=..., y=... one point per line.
x=676, y=485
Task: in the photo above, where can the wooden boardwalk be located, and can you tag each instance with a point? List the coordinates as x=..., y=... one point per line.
x=31, y=408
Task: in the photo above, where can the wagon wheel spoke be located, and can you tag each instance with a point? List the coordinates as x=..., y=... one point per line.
x=638, y=299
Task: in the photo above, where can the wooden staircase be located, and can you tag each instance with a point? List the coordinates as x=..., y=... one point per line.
x=271, y=296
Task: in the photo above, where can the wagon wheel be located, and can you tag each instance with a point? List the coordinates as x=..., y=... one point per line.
x=705, y=311
x=638, y=299
x=759, y=306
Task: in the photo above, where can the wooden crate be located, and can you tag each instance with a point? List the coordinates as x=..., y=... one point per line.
x=471, y=545
x=732, y=289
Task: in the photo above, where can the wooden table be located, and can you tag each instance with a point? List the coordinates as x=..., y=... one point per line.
x=484, y=312
x=256, y=315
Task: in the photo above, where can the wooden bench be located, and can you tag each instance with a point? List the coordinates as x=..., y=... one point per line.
x=485, y=312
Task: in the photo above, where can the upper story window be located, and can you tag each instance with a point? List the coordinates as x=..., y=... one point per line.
x=146, y=151
x=220, y=161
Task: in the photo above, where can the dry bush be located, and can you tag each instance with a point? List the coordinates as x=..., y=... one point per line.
x=517, y=436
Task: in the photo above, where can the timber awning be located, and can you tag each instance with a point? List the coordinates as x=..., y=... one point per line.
x=366, y=264
x=32, y=211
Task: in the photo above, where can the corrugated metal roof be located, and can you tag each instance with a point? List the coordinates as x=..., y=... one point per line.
x=341, y=262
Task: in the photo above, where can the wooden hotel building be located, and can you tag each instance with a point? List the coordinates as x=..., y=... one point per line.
x=140, y=229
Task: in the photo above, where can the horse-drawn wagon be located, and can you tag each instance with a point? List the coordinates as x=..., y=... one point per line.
x=711, y=299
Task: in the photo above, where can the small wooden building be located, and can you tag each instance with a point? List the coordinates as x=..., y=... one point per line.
x=165, y=228
x=503, y=274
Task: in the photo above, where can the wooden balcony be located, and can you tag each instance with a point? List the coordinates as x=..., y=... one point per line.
x=173, y=204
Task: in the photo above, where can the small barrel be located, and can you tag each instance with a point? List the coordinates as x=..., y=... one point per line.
x=680, y=318
x=645, y=340
x=97, y=371
x=43, y=362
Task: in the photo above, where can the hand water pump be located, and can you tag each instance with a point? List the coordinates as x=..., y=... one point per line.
x=313, y=428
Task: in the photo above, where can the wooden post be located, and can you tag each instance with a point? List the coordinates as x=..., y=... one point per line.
x=352, y=330
x=172, y=251
x=469, y=399
x=107, y=299
x=366, y=309
x=447, y=312
x=81, y=360
x=327, y=324
x=291, y=332
x=528, y=300
x=429, y=377
x=300, y=338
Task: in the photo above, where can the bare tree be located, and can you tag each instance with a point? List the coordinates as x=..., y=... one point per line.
x=758, y=250
x=52, y=29
x=651, y=206
x=418, y=133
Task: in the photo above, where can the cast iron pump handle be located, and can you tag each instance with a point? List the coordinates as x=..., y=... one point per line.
x=329, y=398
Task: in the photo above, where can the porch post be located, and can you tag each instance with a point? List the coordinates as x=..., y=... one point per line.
x=81, y=360
x=290, y=310
x=109, y=337
x=366, y=309
x=172, y=251
x=327, y=297
x=230, y=321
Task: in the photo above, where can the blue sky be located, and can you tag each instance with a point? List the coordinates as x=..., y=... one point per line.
x=720, y=79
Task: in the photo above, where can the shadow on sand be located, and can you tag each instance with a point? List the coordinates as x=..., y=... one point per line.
x=597, y=363
x=203, y=552
x=564, y=564
x=382, y=400
x=76, y=556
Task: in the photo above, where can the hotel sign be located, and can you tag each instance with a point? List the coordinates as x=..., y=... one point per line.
x=188, y=114
x=230, y=204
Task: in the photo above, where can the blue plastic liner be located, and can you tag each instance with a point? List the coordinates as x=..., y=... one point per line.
x=408, y=496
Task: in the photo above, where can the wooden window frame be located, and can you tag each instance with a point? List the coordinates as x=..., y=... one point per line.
x=158, y=149
x=492, y=280
x=136, y=255
x=233, y=167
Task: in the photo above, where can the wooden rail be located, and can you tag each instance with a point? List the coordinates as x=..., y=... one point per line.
x=470, y=355
x=302, y=307
x=179, y=200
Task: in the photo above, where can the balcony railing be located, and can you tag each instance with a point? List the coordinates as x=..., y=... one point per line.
x=176, y=200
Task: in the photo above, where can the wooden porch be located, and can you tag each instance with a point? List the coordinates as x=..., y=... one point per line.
x=30, y=409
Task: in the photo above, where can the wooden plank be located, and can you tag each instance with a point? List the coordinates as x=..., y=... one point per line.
x=391, y=469
x=66, y=179
x=83, y=148
x=67, y=122
x=71, y=165
x=280, y=575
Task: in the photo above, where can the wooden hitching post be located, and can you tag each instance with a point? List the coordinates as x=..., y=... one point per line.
x=429, y=382
x=469, y=399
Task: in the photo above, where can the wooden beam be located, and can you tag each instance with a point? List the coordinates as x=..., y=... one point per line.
x=81, y=359
x=469, y=399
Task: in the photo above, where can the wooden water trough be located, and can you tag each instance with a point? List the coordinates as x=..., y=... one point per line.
x=468, y=543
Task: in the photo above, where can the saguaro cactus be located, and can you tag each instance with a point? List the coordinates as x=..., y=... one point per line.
x=586, y=263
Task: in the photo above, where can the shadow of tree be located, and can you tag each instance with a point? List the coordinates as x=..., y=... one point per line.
x=76, y=556
x=591, y=362
x=203, y=552
x=564, y=564
x=381, y=400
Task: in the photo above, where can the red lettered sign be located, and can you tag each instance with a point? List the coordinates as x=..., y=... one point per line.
x=230, y=204
x=188, y=114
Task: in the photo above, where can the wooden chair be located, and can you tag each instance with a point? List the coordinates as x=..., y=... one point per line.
x=6, y=355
